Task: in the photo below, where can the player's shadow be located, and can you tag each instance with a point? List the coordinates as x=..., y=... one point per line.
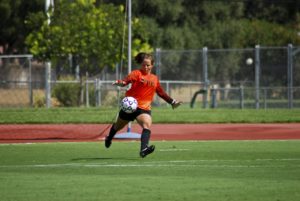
x=102, y=159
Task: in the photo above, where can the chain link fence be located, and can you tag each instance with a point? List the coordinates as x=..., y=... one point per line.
x=22, y=79
x=260, y=77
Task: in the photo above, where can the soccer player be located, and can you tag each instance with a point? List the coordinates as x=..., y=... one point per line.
x=144, y=85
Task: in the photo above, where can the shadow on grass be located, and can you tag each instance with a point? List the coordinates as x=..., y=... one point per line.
x=103, y=158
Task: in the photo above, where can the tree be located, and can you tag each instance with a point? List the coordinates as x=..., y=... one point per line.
x=274, y=11
x=190, y=24
x=92, y=34
x=267, y=34
x=13, y=29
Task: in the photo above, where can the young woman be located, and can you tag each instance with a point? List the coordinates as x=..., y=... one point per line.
x=144, y=85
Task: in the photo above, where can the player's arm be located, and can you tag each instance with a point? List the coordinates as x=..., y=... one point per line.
x=128, y=79
x=120, y=83
x=161, y=93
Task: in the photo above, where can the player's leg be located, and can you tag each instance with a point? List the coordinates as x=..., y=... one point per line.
x=118, y=125
x=145, y=121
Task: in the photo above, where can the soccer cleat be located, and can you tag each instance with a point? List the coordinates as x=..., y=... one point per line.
x=107, y=142
x=147, y=150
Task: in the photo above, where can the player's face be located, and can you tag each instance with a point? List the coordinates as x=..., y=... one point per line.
x=147, y=66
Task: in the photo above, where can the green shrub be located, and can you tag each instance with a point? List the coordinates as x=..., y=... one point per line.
x=68, y=94
x=39, y=99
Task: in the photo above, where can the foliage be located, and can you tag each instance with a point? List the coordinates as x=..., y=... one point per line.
x=39, y=99
x=175, y=24
x=13, y=29
x=85, y=31
x=217, y=25
x=92, y=30
x=68, y=94
x=189, y=24
x=267, y=34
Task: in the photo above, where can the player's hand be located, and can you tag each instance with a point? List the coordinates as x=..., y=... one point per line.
x=119, y=83
x=175, y=104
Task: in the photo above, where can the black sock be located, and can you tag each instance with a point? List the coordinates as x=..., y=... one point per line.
x=145, y=137
x=112, y=133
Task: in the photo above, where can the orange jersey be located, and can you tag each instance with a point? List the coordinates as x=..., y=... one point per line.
x=144, y=87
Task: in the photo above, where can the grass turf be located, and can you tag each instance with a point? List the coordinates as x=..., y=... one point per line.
x=189, y=170
x=160, y=115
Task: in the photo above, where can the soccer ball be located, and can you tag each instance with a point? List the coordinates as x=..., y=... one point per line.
x=249, y=61
x=129, y=104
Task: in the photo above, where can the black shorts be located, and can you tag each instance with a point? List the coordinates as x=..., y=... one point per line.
x=132, y=116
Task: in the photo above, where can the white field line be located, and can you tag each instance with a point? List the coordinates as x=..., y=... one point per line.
x=179, y=163
x=144, y=165
x=169, y=150
x=228, y=160
x=192, y=141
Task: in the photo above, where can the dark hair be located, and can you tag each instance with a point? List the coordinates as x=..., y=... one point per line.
x=139, y=58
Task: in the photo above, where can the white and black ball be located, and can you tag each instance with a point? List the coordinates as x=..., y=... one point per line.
x=129, y=104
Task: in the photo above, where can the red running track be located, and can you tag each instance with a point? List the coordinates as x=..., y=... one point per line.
x=21, y=133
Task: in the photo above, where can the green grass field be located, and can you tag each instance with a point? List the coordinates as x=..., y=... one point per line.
x=200, y=170
x=160, y=115
x=177, y=171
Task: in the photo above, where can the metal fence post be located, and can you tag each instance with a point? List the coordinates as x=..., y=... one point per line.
x=157, y=62
x=48, y=84
x=157, y=68
x=265, y=97
x=214, y=97
x=241, y=96
x=30, y=82
x=168, y=88
x=205, y=75
x=257, y=75
x=87, y=99
x=290, y=75
x=97, y=92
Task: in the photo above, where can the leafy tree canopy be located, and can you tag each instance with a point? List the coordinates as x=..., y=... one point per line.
x=168, y=24
x=13, y=30
x=89, y=32
x=190, y=24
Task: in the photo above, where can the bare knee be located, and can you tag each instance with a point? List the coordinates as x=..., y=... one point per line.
x=145, y=121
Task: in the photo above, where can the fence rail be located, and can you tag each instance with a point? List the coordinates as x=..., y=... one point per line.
x=216, y=78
